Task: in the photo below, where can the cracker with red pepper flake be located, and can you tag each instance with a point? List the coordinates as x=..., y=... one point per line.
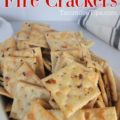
x=72, y=87
x=36, y=27
x=24, y=73
x=12, y=64
x=32, y=34
x=25, y=94
x=31, y=52
x=38, y=112
x=28, y=41
x=58, y=41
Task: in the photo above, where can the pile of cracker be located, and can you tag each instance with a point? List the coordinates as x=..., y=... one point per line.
x=51, y=75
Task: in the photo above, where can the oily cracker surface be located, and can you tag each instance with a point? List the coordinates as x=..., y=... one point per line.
x=25, y=94
x=108, y=113
x=37, y=27
x=67, y=59
x=22, y=44
x=24, y=73
x=71, y=88
x=58, y=41
x=63, y=61
x=11, y=64
x=10, y=43
x=34, y=33
x=31, y=52
x=38, y=112
x=27, y=40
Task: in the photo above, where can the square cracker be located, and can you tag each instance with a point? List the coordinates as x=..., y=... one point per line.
x=26, y=41
x=11, y=64
x=71, y=87
x=58, y=41
x=25, y=94
x=34, y=33
x=24, y=73
x=66, y=40
x=37, y=27
x=38, y=112
x=31, y=52
x=65, y=60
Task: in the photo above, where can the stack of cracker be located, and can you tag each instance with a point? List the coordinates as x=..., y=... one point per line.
x=51, y=75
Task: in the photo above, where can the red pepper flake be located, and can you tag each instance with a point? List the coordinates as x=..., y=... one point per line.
x=7, y=49
x=74, y=76
x=64, y=46
x=51, y=81
x=27, y=37
x=53, y=100
x=2, y=55
x=80, y=76
x=79, y=86
x=24, y=73
x=33, y=51
x=29, y=25
x=21, y=60
x=7, y=78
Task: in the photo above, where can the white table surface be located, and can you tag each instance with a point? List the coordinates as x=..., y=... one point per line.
x=100, y=48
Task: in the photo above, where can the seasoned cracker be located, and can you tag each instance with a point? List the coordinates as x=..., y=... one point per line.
x=25, y=94
x=38, y=112
x=71, y=88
